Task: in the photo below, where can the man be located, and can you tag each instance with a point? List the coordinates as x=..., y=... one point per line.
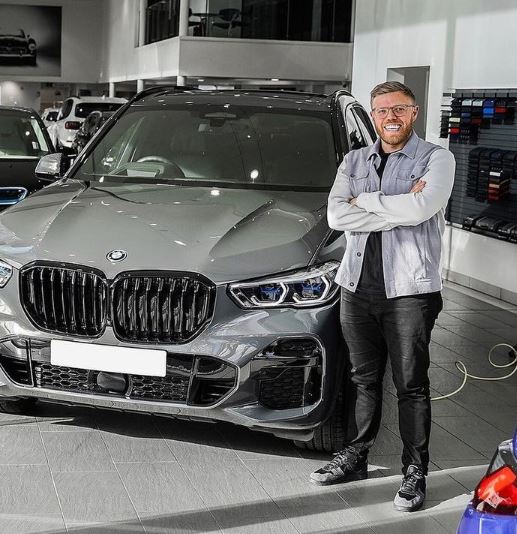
x=390, y=200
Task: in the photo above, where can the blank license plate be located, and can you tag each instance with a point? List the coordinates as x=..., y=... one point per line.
x=133, y=361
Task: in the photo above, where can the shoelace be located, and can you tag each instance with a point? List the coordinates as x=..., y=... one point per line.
x=409, y=483
x=347, y=457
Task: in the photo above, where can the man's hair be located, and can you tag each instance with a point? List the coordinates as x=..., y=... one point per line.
x=391, y=87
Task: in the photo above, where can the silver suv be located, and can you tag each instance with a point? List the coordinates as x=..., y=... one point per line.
x=184, y=265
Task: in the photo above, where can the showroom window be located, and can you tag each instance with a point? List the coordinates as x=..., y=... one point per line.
x=294, y=20
x=162, y=20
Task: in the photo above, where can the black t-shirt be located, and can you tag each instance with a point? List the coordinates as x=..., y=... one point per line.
x=372, y=275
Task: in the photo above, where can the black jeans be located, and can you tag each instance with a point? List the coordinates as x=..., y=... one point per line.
x=374, y=328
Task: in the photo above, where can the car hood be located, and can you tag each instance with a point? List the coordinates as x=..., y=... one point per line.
x=12, y=40
x=225, y=234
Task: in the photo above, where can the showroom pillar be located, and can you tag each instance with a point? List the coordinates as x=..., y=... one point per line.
x=141, y=25
x=139, y=85
x=183, y=31
x=183, y=22
x=111, y=89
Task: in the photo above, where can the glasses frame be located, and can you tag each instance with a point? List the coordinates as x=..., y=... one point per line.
x=406, y=107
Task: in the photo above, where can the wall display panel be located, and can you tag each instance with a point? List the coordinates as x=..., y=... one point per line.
x=30, y=40
x=482, y=130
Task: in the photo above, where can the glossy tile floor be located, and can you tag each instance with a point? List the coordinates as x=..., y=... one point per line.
x=80, y=470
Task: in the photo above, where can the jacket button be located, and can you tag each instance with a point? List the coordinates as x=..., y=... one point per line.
x=352, y=175
x=351, y=284
x=358, y=254
x=412, y=176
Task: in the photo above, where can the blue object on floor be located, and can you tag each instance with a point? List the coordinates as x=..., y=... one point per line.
x=493, y=510
x=474, y=522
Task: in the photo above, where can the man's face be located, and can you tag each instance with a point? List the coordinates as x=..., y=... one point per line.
x=394, y=131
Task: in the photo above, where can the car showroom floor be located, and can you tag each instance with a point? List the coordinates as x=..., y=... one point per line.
x=65, y=469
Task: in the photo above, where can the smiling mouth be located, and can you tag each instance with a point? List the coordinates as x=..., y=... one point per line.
x=393, y=127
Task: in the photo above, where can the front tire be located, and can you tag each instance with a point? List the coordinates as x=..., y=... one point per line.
x=330, y=436
x=16, y=406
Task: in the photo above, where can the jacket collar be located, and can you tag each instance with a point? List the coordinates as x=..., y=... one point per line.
x=409, y=149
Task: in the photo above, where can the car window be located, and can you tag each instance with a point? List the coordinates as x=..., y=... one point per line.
x=365, y=124
x=106, y=159
x=355, y=135
x=83, y=109
x=241, y=145
x=66, y=109
x=51, y=116
x=21, y=137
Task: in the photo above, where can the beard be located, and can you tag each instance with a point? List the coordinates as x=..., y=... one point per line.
x=397, y=138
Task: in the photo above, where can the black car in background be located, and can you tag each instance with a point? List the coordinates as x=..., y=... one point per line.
x=17, y=47
x=23, y=141
x=89, y=128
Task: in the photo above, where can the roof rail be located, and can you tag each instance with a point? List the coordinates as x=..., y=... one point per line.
x=161, y=88
x=279, y=90
x=186, y=88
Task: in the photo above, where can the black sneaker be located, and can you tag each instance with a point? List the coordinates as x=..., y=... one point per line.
x=411, y=494
x=347, y=465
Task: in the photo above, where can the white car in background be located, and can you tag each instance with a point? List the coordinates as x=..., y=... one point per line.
x=49, y=116
x=72, y=114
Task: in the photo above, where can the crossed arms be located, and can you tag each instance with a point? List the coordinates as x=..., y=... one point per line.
x=377, y=212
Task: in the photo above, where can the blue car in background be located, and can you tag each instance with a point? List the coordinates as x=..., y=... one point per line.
x=493, y=510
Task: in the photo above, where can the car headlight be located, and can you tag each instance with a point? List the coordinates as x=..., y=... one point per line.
x=32, y=47
x=308, y=287
x=6, y=271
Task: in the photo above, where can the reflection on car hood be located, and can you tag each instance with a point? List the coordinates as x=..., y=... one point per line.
x=225, y=234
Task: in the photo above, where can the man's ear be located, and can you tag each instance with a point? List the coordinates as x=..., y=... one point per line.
x=416, y=109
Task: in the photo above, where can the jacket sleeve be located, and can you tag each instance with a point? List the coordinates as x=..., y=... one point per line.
x=344, y=216
x=412, y=209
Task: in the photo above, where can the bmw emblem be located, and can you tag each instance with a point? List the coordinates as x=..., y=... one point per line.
x=116, y=255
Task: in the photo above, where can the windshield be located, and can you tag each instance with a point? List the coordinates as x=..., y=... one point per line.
x=237, y=146
x=83, y=109
x=52, y=116
x=21, y=137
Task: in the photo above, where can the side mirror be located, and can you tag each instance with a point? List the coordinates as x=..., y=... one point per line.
x=50, y=167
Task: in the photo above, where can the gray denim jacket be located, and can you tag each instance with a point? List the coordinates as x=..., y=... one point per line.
x=412, y=224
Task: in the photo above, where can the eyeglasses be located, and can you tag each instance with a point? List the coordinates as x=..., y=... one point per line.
x=399, y=111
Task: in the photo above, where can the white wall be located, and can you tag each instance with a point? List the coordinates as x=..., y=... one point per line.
x=251, y=58
x=23, y=94
x=467, y=44
x=81, y=40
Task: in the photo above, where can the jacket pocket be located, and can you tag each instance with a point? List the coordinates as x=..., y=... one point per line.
x=405, y=179
x=360, y=181
x=412, y=173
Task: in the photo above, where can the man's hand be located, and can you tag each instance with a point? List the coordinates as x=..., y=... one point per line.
x=418, y=187
x=353, y=201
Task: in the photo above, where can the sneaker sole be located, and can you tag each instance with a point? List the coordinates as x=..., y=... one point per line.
x=404, y=509
x=345, y=478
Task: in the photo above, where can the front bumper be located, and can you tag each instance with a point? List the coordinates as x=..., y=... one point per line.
x=17, y=54
x=243, y=341
x=474, y=522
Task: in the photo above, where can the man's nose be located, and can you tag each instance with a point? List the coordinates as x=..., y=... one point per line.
x=391, y=112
